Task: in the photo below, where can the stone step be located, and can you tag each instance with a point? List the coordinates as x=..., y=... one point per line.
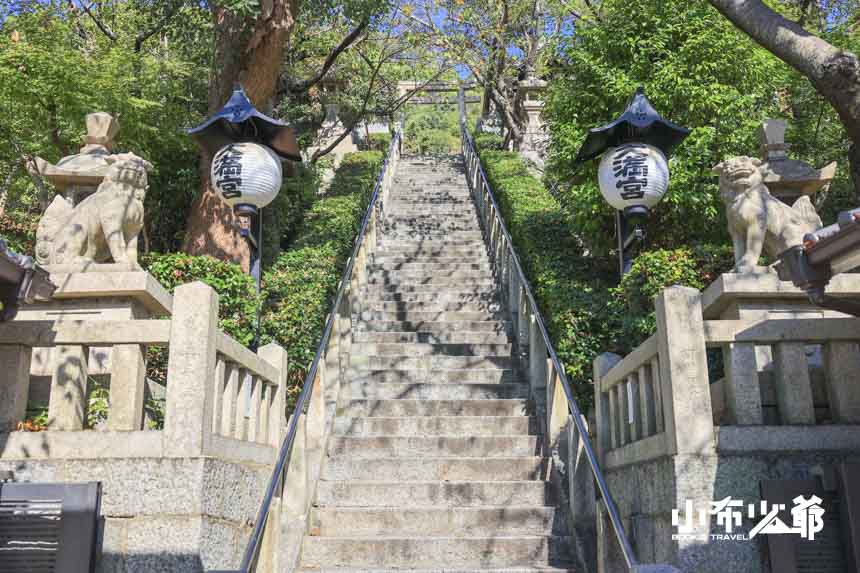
x=431, y=362
x=430, y=267
x=435, y=228
x=428, y=407
x=452, y=215
x=456, y=286
x=425, y=468
x=463, y=337
x=434, y=446
x=424, y=316
x=433, y=521
x=361, y=493
x=378, y=295
x=360, y=375
x=435, y=326
x=411, y=307
x=416, y=237
x=384, y=258
x=495, y=551
x=411, y=245
x=421, y=391
x=418, y=349
x=427, y=277
x=476, y=251
x=436, y=426
x=523, y=569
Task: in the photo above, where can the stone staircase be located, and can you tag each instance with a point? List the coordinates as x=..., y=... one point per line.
x=434, y=463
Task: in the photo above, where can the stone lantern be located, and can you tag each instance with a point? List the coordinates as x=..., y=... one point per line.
x=535, y=139
x=78, y=176
x=789, y=179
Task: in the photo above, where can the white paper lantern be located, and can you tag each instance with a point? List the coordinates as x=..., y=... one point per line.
x=634, y=174
x=246, y=174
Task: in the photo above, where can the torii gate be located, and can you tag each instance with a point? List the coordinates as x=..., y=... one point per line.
x=406, y=86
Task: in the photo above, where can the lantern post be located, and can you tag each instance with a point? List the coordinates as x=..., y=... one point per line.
x=247, y=148
x=634, y=170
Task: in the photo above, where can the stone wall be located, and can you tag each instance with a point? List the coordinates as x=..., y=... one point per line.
x=163, y=514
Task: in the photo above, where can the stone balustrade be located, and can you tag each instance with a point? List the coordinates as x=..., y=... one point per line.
x=218, y=394
x=665, y=384
x=742, y=391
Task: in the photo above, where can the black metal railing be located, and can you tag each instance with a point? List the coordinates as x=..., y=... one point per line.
x=502, y=248
x=374, y=210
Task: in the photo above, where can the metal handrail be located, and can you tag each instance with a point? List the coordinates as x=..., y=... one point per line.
x=470, y=153
x=252, y=550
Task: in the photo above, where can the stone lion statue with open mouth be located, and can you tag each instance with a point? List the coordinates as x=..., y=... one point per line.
x=102, y=227
x=756, y=219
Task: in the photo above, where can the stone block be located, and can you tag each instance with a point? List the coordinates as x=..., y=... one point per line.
x=127, y=384
x=68, y=403
x=190, y=369
x=684, y=371
x=793, y=385
x=14, y=386
x=842, y=363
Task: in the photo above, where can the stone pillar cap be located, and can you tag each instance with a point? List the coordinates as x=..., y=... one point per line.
x=102, y=128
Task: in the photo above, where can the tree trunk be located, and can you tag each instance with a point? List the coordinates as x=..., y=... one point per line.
x=835, y=73
x=248, y=52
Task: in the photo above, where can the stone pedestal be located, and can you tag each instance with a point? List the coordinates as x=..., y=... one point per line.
x=90, y=293
x=535, y=138
x=762, y=295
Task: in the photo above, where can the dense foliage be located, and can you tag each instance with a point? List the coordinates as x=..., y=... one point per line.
x=237, y=297
x=300, y=285
x=56, y=66
x=700, y=72
x=587, y=311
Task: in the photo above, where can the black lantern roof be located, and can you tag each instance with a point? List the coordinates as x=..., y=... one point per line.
x=240, y=121
x=641, y=123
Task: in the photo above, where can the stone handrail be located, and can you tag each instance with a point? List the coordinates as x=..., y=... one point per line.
x=216, y=388
x=660, y=399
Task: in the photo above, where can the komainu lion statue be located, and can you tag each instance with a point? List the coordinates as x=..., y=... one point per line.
x=757, y=219
x=102, y=227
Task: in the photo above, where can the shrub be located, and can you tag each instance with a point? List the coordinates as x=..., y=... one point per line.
x=490, y=142
x=236, y=293
x=281, y=219
x=379, y=142
x=300, y=285
x=18, y=229
x=586, y=310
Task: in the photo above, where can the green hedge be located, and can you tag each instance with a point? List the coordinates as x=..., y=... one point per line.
x=300, y=285
x=586, y=310
x=378, y=142
x=237, y=296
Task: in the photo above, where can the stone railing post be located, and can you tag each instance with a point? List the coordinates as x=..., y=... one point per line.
x=15, y=385
x=537, y=357
x=127, y=381
x=67, y=406
x=277, y=416
x=602, y=365
x=686, y=396
x=191, y=369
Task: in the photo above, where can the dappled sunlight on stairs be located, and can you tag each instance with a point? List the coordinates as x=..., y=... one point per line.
x=435, y=462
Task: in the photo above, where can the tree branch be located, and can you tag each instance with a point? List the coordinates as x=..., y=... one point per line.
x=835, y=73
x=322, y=152
x=304, y=85
x=101, y=26
x=144, y=36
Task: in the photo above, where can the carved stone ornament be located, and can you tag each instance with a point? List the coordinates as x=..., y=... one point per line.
x=103, y=227
x=77, y=176
x=758, y=221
